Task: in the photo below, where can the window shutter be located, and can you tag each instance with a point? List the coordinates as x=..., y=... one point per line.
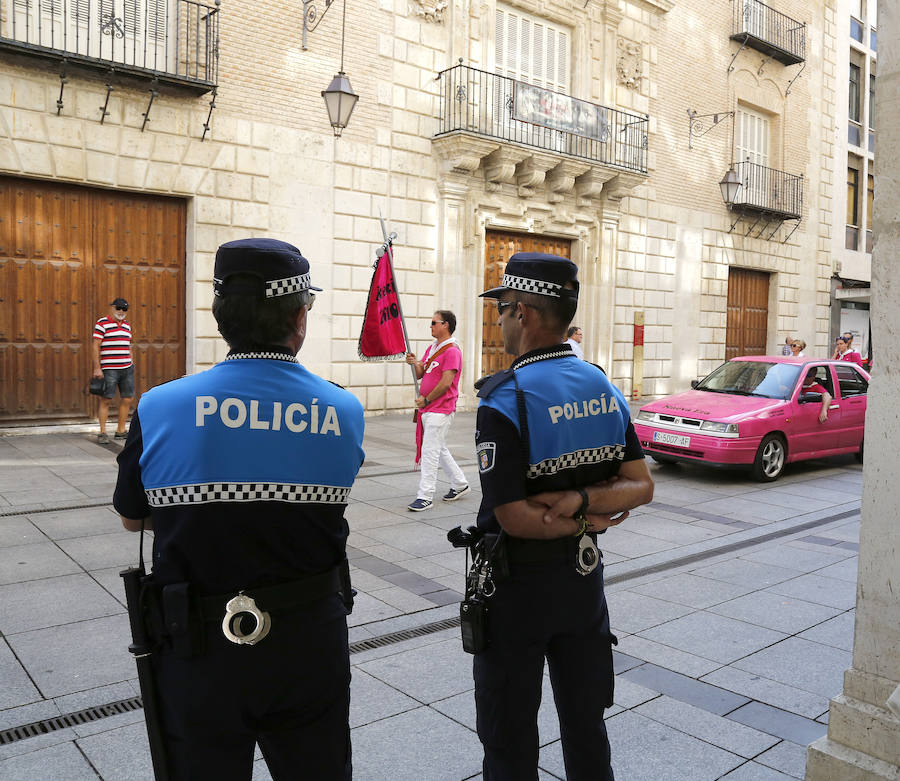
x=499, y=40
x=531, y=49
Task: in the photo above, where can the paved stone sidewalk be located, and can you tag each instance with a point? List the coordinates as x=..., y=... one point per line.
x=732, y=601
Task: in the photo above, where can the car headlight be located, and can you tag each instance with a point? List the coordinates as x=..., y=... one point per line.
x=645, y=415
x=721, y=428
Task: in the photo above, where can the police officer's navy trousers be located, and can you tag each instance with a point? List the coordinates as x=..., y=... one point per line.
x=290, y=693
x=545, y=611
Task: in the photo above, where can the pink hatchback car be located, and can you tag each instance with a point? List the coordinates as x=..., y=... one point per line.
x=753, y=411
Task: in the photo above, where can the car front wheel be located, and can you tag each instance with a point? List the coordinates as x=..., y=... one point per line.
x=770, y=459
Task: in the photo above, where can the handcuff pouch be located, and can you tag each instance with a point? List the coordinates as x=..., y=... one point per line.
x=473, y=623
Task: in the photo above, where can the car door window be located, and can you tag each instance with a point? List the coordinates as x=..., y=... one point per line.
x=823, y=378
x=851, y=382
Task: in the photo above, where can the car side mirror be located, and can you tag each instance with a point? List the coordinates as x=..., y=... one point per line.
x=695, y=383
x=808, y=398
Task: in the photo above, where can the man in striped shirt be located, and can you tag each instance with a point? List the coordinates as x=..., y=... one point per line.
x=112, y=362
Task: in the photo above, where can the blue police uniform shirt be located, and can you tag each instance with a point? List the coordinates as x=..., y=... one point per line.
x=579, y=429
x=246, y=469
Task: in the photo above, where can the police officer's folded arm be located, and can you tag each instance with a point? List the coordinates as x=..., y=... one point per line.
x=630, y=488
x=525, y=519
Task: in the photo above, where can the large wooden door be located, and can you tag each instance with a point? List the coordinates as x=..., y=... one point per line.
x=65, y=253
x=748, y=312
x=498, y=249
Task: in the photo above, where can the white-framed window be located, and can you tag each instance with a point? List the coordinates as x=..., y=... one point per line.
x=752, y=137
x=531, y=49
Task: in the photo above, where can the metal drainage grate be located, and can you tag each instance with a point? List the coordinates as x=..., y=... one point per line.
x=57, y=509
x=406, y=634
x=69, y=720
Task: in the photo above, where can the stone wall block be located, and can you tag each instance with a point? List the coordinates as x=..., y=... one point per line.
x=225, y=159
x=261, y=135
x=161, y=176
x=34, y=158
x=9, y=161
x=250, y=215
x=216, y=211
x=68, y=163
x=131, y=173
x=133, y=143
x=31, y=95
x=27, y=125
x=252, y=161
x=188, y=179
x=64, y=131
x=169, y=148
x=238, y=187
x=101, y=168
x=103, y=138
x=202, y=153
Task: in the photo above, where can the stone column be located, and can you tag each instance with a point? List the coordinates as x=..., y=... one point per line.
x=863, y=741
x=456, y=275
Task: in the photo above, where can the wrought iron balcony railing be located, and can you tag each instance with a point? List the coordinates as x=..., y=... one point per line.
x=175, y=41
x=495, y=106
x=763, y=28
x=767, y=192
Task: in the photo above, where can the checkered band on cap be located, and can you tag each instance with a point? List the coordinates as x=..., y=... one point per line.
x=286, y=286
x=203, y=493
x=532, y=285
x=594, y=455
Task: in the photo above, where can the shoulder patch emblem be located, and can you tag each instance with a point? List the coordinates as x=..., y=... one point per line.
x=487, y=452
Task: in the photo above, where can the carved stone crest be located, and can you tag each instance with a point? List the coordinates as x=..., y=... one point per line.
x=430, y=10
x=629, y=63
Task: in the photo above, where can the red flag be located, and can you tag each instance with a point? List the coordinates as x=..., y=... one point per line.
x=382, y=332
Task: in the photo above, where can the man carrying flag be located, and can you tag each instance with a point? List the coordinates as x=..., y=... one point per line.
x=439, y=372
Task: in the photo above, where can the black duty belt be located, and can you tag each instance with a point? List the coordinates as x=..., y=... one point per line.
x=284, y=596
x=523, y=551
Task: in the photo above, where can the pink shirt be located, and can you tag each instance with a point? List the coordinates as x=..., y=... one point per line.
x=449, y=360
x=852, y=355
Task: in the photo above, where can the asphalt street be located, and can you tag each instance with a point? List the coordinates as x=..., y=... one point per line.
x=733, y=603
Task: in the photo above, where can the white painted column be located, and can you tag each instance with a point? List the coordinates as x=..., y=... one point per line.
x=863, y=741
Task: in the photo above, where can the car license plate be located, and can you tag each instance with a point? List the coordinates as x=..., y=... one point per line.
x=671, y=439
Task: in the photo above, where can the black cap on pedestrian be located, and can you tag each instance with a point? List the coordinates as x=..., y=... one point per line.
x=279, y=266
x=120, y=303
x=539, y=273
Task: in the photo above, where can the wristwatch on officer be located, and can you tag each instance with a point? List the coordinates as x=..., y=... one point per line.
x=580, y=516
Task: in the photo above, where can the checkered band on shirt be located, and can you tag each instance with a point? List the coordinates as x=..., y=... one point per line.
x=532, y=286
x=286, y=286
x=246, y=492
x=266, y=356
x=594, y=455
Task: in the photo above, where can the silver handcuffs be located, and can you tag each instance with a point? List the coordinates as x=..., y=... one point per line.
x=235, y=608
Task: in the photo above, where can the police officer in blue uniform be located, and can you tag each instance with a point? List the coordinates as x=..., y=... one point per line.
x=559, y=462
x=243, y=473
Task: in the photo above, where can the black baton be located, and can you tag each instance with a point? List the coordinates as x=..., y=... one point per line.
x=140, y=650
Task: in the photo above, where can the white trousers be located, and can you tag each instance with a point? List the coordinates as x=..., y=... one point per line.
x=435, y=426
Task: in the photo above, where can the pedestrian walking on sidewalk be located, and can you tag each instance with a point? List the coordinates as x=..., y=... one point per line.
x=559, y=463
x=243, y=473
x=112, y=362
x=439, y=372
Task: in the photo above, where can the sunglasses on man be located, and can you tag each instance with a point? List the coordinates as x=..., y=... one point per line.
x=121, y=308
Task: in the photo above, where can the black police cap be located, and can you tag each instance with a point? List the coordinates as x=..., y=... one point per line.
x=119, y=302
x=540, y=273
x=279, y=266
